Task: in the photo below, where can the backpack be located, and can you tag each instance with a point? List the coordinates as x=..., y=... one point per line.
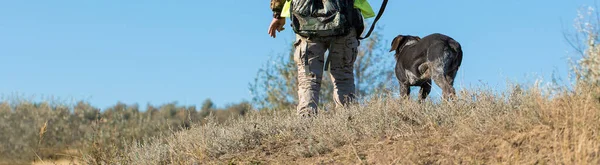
x=324, y=18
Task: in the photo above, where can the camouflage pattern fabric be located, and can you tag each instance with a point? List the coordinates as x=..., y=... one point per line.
x=277, y=5
x=309, y=56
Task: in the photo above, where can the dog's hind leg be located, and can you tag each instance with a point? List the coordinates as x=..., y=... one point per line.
x=445, y=85
x=404, y=91
x=449, y=75
x=442, y=70
x=450, y=79
x=425, y=90
x=445, y=82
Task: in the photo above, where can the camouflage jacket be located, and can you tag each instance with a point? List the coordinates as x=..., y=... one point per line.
x=276, y=7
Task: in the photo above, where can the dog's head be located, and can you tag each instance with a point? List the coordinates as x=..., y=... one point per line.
x=402, y=41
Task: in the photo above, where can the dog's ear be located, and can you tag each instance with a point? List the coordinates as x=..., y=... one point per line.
x=396, y=42
x=418, y=38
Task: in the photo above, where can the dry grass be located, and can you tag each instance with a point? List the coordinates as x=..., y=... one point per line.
x=520, y=126
x=44, y=132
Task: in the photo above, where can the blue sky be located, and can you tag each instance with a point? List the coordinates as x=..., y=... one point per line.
x=186, y=51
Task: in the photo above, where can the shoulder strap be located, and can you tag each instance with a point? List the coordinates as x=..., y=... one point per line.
x=381, y=10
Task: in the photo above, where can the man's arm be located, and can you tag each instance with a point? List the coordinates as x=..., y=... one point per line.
x=276, y=7
x=277, y=22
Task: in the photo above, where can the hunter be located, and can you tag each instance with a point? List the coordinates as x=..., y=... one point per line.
x=337, y=30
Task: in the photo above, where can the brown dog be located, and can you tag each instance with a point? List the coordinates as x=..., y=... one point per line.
x=419, y=61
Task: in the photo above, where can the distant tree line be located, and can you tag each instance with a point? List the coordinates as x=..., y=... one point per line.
x=32, y=131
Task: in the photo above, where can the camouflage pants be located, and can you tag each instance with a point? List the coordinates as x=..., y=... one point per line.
x=309, y=57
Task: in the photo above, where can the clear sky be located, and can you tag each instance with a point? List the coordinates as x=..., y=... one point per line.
x=157, y=52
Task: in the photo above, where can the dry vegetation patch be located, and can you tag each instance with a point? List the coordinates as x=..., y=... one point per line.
x=521, y=126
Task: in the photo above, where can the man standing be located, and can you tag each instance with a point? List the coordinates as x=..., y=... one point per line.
x=309, y=57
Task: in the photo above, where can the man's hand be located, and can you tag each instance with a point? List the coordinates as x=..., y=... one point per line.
x=276, y=25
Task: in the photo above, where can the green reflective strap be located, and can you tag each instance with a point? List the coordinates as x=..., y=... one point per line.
x=286, y=9
x=365, y=8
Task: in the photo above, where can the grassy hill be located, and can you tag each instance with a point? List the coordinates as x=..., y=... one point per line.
x=520, y=126
x=523, y=125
